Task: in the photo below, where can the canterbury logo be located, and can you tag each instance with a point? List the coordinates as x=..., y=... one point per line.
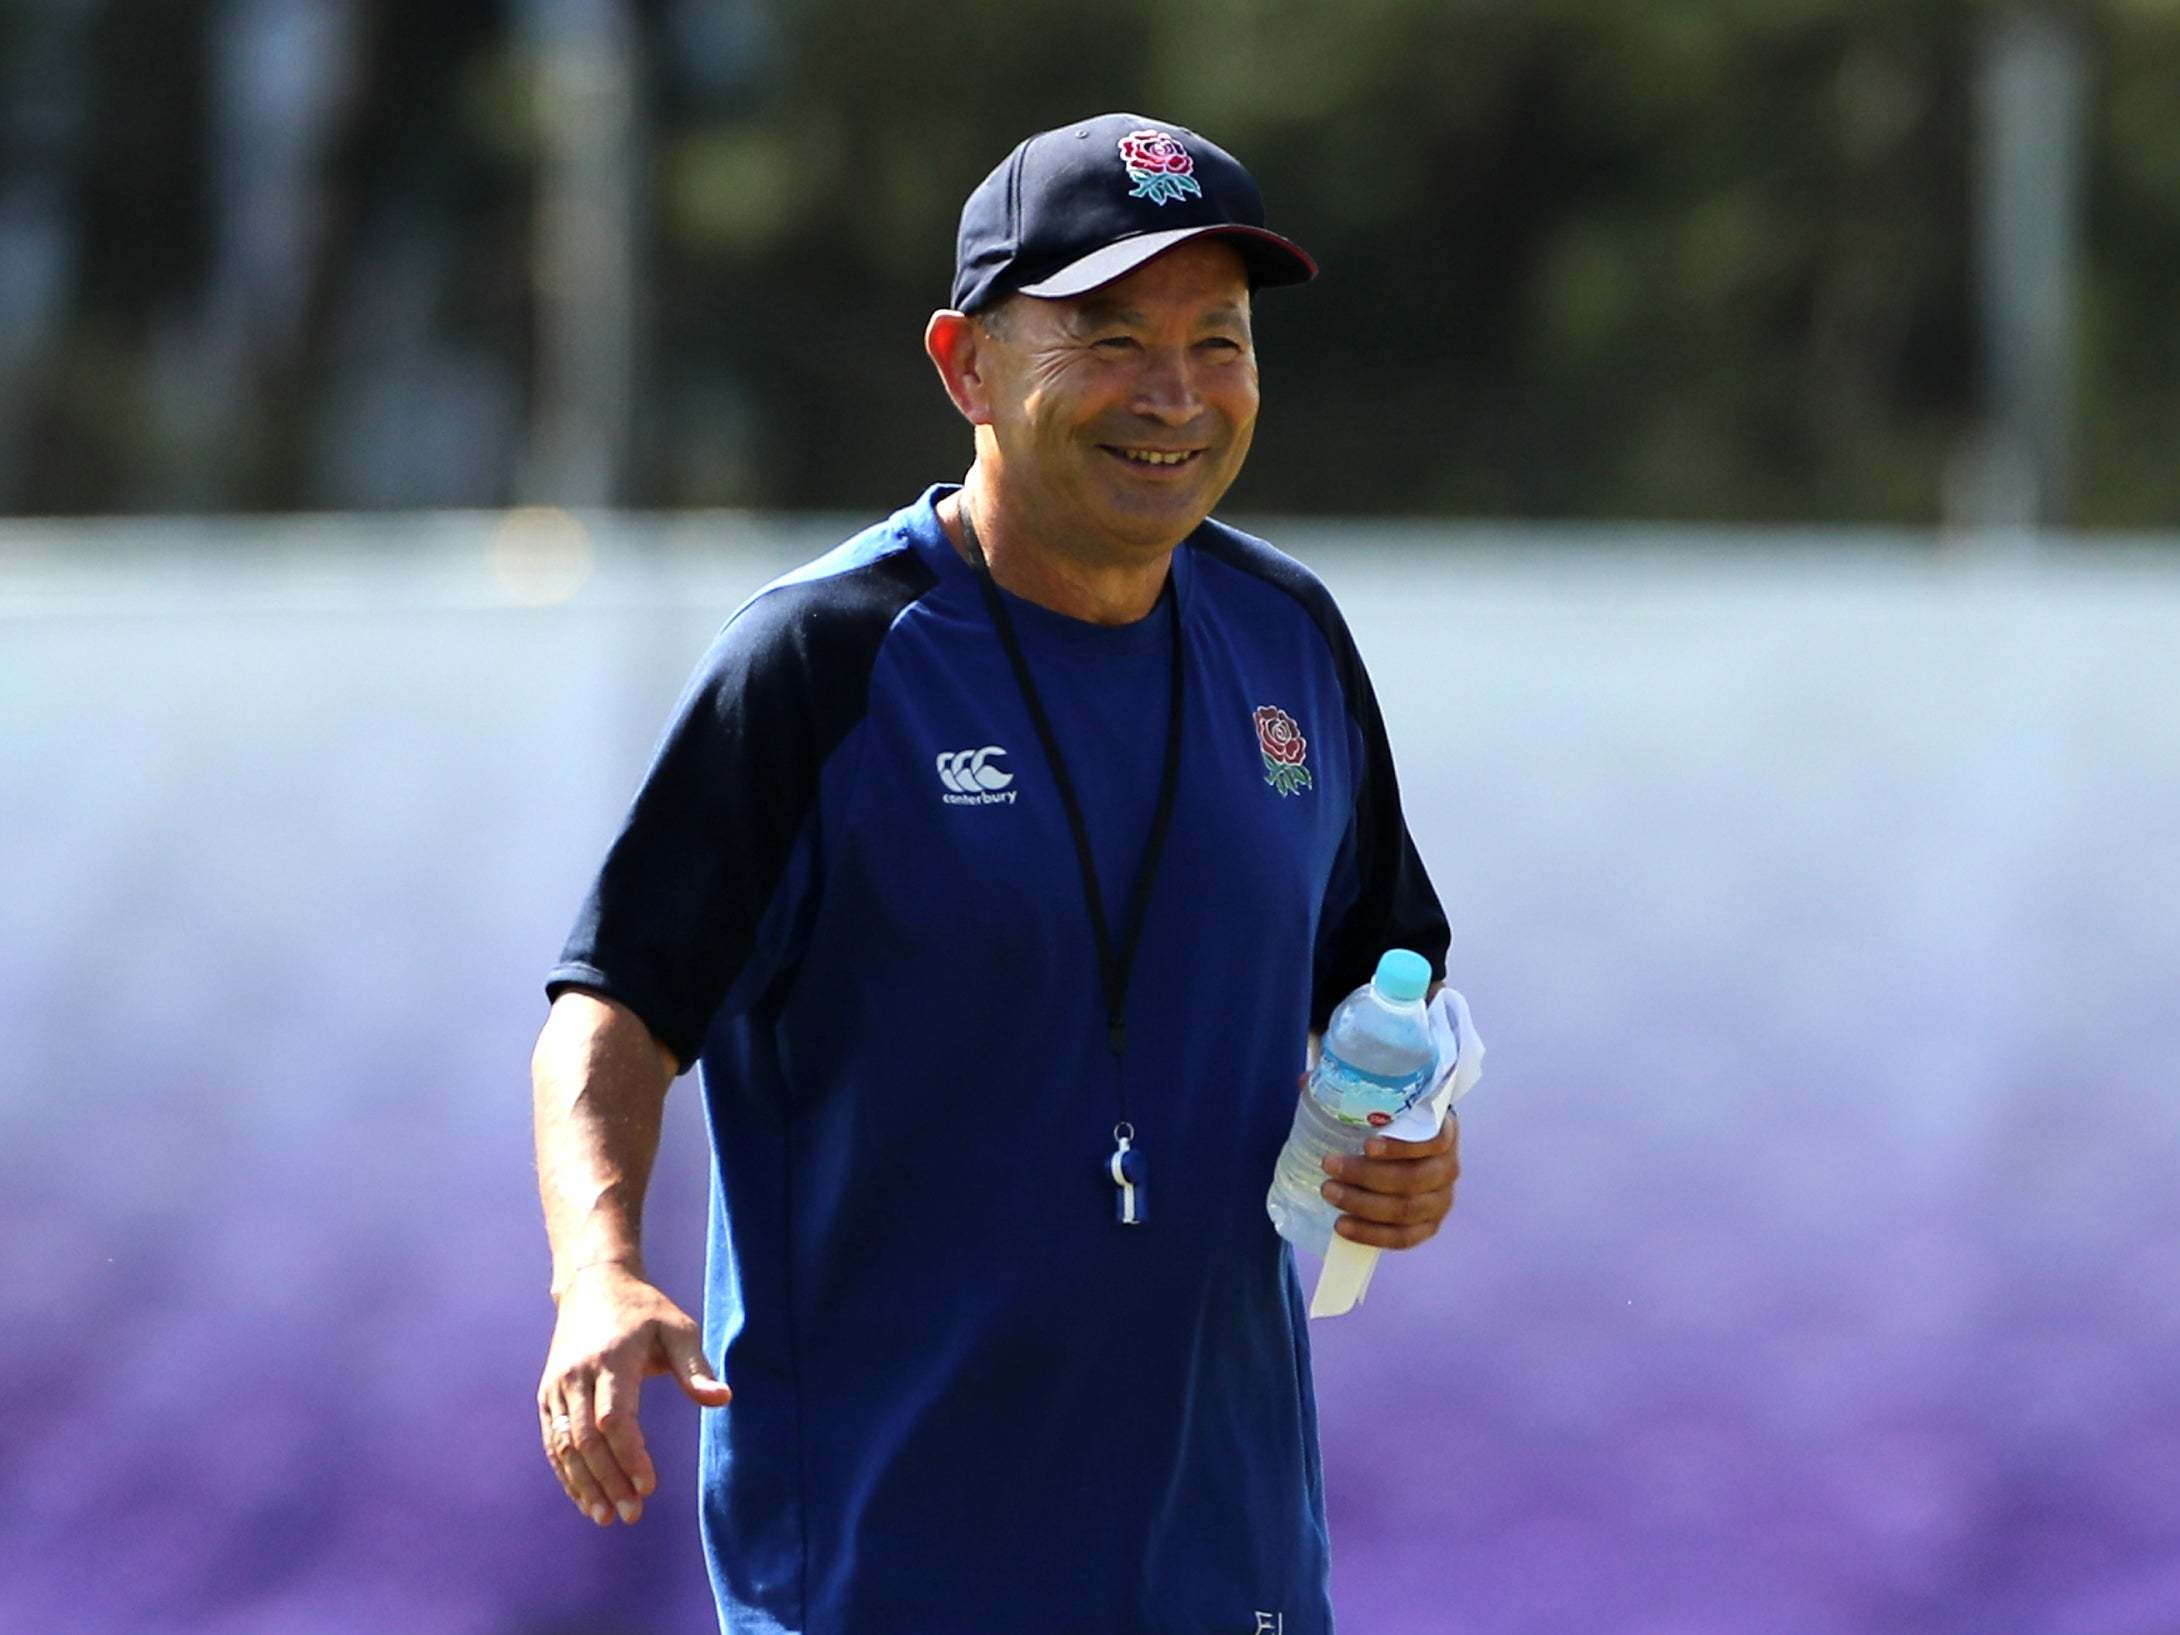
x=969, y=773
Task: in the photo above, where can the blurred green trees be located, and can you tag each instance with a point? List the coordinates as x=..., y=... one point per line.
x=1582, y=258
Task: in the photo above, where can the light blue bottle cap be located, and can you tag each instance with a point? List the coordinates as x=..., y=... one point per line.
x=1402, y=975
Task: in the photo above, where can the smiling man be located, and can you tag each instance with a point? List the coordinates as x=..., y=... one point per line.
x=995, y=868
x=1108, y=425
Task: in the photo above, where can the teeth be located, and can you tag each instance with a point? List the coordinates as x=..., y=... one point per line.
x=1151, y=457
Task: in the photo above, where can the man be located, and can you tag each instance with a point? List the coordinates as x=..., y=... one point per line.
x=996, y=866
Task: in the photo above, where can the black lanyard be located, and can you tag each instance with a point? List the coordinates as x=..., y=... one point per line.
x=1126, y=1165
x=1114, y=967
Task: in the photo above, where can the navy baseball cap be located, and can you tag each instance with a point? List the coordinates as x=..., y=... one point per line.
x=1079, y=206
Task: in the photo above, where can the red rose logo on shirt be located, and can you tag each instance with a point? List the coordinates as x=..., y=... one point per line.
x=1283, y=747
x=1159, y=166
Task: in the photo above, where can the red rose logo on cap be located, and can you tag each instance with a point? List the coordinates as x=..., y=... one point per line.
x=1159, y=166
x=1283, y=747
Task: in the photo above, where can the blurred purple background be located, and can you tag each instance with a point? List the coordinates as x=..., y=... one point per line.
x=1815, y=1266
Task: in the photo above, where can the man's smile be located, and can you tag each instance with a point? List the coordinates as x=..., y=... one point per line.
x=1151, y=459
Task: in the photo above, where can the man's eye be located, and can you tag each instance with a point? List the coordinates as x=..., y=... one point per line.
x=1226, y=342
x=1116, y=342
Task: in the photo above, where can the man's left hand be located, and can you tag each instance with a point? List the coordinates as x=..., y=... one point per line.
x=1398, y=1192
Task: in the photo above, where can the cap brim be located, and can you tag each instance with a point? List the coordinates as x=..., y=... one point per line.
x=1271, y=259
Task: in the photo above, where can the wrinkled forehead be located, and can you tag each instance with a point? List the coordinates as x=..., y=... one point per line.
x=1204, y=282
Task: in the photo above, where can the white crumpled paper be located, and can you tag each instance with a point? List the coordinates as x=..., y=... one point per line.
x=1348, y=1264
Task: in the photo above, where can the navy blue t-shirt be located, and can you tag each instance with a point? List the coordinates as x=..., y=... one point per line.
x=966, y=1398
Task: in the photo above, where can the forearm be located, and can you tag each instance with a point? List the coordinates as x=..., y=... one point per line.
x=598, y=1089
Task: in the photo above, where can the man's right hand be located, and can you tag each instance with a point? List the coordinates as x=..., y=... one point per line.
x=615, y=1330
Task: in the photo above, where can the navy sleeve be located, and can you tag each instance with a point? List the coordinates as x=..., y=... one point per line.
x=1380, y=896
x=703, y=894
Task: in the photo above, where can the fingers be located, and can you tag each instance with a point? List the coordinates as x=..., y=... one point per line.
x=595, y=1454
x=684, y=1350
x=1448, y=1139
x=617, y=1423
x=588, y=1400
x=568, y=1464
x=1398, y=1193
x=1388, y=1223
x=1387, y=1165
x=587, y=1415
x=1396, y=1175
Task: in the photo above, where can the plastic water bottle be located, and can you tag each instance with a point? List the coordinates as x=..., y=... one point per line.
x=1377, y=1060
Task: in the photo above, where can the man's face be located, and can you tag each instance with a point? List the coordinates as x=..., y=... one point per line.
x=1120, y=417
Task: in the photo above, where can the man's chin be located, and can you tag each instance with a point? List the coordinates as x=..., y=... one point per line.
x=1154, y=532
x=1164, y=516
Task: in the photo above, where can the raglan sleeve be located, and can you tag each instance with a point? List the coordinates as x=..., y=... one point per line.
x=1380, y=895
x=707, y=890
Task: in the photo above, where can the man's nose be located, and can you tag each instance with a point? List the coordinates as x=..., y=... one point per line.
x=1167, y=390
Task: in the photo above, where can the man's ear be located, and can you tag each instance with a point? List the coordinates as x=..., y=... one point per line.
x=955, y=344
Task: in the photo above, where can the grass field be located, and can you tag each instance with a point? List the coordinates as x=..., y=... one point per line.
x=1819, y=900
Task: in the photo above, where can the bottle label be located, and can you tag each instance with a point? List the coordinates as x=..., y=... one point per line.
x=1365, y=1099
